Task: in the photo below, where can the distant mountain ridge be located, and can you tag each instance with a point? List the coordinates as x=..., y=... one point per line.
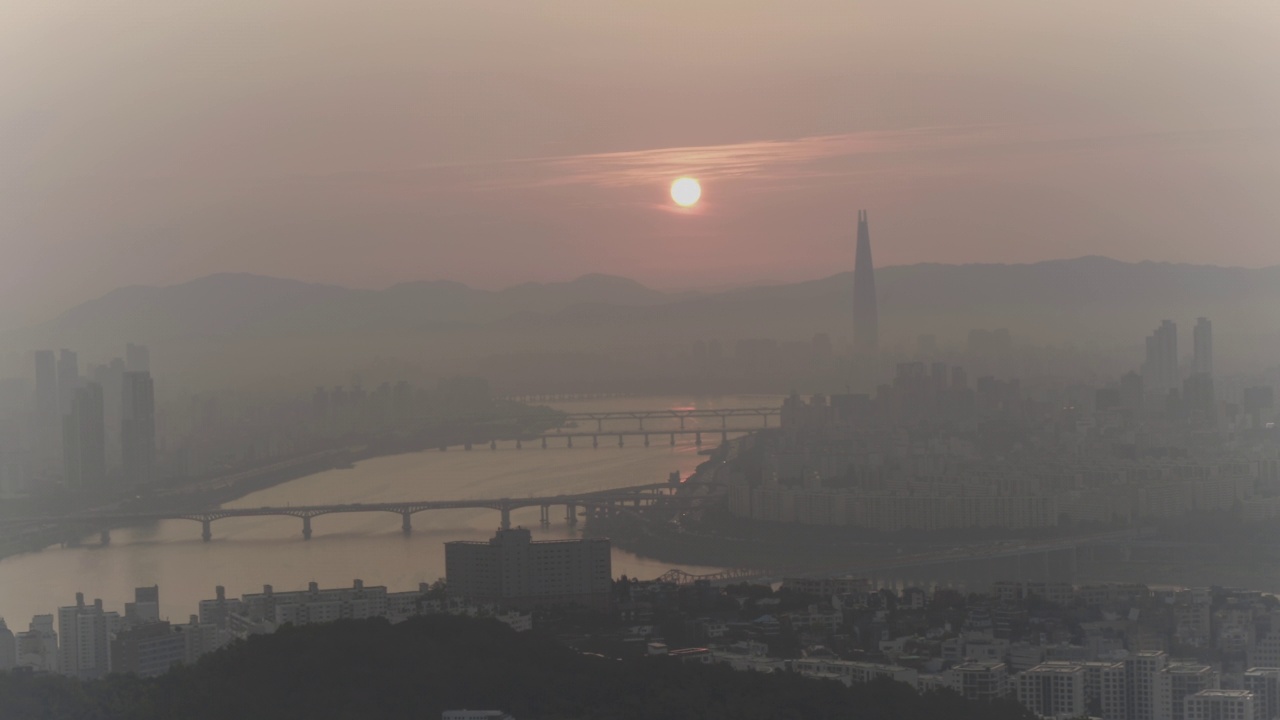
x=1053, y=301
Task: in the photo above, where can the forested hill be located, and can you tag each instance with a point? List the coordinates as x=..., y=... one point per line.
x=358, y=670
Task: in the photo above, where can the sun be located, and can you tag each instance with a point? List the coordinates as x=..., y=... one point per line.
x=686, y=191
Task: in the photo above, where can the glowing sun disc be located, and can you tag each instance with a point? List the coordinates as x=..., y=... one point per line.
x=686, y=191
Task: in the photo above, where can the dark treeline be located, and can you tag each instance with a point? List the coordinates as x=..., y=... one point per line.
x=417, y=669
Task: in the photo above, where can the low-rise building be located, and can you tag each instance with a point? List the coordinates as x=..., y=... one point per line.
x=983, y=681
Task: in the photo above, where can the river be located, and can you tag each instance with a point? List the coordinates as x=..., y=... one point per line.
x=249, y=552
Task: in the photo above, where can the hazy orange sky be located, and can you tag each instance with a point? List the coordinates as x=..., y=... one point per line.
x=153, y=141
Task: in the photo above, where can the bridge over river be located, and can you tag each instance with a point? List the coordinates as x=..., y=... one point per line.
x=604, y=501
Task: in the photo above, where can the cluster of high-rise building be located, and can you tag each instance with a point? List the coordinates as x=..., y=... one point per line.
x=95, y=429
x=88, y=641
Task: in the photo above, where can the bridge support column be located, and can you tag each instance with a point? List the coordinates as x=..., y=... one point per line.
x=682, y=422
x=646, y=439
x=673, y=439
x=642, y=424
x=766, y=420
x=493, y=444
x=105, y=537
x=519, y=445
x=697, y=439
x=571, y=513
x=306, y=528
x=207, y=533
x=546, y=515
x=595, y=441
x=619, y=439
x=506, y=518
x=406, y=522
x=599, y=425
x=570, y=441
x=724, y=436
x=544, y=443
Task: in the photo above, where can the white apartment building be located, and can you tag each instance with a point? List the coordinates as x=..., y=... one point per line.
x=1264, y=683
x=1053, y=690
x=1105, y=683
x=1142, y=672
x=84, y=633
x=1220, y=705
x=1176, y=683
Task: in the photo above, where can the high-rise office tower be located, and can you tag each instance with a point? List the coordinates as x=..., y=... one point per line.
x=1160, y=372
x=68, y=379
x=111, y=378
x=1202, y=347
x=138, y=428
x=48, y=417
x=84, y=440
x=46, y=382
x=137, y=358
x=866, y=319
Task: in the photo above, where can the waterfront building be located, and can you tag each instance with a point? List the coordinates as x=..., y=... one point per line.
x=315, y=605
x=512, y=569
x=148, y=650
x=84, y=633
x=38, y=646
x=8, y=648
x=145, y=607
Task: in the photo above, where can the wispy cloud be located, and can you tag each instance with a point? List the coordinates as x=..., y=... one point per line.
x=759, y=160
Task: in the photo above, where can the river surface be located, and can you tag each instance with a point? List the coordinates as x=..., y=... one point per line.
x=249, y=552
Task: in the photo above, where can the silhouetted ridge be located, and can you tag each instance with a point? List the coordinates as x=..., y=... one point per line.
x=419, y=668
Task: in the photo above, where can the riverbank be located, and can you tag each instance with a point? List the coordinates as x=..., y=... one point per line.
x=210, y=493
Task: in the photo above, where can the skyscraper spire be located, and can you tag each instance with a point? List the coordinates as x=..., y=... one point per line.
x=866, y=320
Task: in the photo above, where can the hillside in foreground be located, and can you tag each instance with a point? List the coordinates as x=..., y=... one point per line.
x=417, y=669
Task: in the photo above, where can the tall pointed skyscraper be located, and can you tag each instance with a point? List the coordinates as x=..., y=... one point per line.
x=866, y=319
